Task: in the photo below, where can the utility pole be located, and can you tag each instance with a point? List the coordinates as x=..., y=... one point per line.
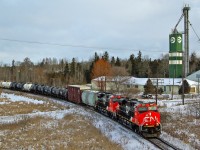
x=105, y=83
x=198, y=76
x=186, y=38
x=198, y=86
x=186, y=49
x=157, y=83
x=157, y=91
x=173, y=86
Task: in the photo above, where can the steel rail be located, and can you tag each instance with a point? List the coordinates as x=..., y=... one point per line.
x=158, y=142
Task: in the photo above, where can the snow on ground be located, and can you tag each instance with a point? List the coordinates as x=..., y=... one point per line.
x=2, y=103
x=114, y=131
x=179, y=110
x=16, y=98
x=175, y=141
x=176, y=106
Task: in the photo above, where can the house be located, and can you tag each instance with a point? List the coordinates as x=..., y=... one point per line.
x=194, y=76
x=169, y=85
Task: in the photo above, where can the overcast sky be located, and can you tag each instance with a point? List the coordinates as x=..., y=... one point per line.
x=83, y=27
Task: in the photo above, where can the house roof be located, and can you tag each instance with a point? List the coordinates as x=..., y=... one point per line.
x=194, y=76
x=161, y=81
x=142, y=81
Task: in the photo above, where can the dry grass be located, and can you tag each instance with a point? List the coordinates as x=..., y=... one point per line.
x=72, y=132
x=0, y=90
x=12, y=108
x=38, y=97
x=181, y=128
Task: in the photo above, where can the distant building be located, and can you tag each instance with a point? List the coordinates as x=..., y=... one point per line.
x=167, y=84
x=194, y=76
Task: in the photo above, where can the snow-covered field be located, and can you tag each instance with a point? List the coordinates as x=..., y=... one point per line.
x=113, y=131
x=182, y=122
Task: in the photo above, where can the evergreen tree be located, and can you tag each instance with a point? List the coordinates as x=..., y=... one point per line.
x=73, y=67
x=186, y=87
x=66, y=70
x=112, y=61
x=96, y=57
x=139, y=58
x=132, y=65
x=87, y=76
x=149, y=87
x=117, y=63
x=193, y=62
x=106, y=56
x=131, y=58
x=138, y=65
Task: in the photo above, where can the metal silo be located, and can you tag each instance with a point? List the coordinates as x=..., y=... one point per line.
x=175, y=55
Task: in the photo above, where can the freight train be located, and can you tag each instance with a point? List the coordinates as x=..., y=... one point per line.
x=142, y=117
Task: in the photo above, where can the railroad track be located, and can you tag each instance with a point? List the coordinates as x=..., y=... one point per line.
x=159, y=143
x=162, y=144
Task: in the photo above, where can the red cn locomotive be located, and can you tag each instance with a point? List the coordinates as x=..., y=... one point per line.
x=142, y=117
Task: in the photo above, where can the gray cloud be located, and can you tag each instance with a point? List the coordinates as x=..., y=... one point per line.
x=129, y=25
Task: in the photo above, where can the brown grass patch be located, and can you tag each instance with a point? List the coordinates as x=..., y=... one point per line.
x=17, y=125
x=181, y=128
x=21, y=107
x=0, y=90
x=13, y=108
x=72, y=132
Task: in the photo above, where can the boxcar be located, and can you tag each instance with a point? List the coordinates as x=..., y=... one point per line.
x=75, y=91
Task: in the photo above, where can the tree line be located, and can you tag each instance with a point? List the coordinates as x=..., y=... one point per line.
x=54, y=72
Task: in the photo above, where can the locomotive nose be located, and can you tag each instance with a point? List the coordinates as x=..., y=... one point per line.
x=150, y=119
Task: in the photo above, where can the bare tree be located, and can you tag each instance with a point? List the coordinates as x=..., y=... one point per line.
x=119, y=76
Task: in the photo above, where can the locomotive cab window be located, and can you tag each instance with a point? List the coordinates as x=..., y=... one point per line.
x=142, y=109
x=153, y=108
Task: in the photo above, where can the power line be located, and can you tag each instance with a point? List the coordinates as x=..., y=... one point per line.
x=70, y=45
x=194, y=31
